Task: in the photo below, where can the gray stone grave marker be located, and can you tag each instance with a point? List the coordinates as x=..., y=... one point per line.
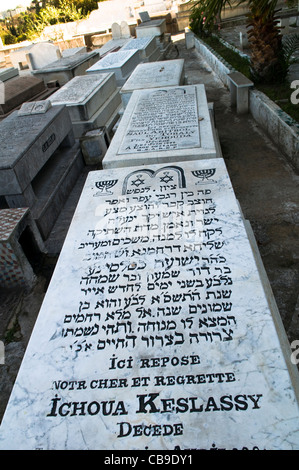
x=39, y=162
x=160, y=336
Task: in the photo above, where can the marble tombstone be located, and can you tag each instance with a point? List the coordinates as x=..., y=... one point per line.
x=66, y=68
x=122, y=63
x=93, y=101
x=147, y=48
x=158, y=74
x=162, y=335
x=163, y=125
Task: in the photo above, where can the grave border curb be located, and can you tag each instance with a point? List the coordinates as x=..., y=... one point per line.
x=281, y=128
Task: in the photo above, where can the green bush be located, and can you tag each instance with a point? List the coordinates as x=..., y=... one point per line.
x=9, y=38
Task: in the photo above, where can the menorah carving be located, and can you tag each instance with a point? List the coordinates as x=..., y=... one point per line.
x=205, y=175
x=104, y=186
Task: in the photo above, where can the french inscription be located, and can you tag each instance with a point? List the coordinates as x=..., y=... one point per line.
x=155, y=279
x=160, y=335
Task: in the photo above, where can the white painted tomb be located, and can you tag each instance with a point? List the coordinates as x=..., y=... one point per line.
x=122, y=63
x=156, y=331
x=90, y=99
x=42, y=54
x=114, y=45
x=151, y=28
x=163, y=125
x=66, y=68
x=163, y=73
x=147, y=48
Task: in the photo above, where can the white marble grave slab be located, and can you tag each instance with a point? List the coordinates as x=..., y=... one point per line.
x=154, y=75
x=85, y=94
x=163, y=125
x=160, y=336
x=106, y=116
x=151, y=28
x=145, y=46
x=66, y=68
x=122, y=63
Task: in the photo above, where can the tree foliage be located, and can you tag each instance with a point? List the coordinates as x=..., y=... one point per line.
x=30, y=24
x=269, y=59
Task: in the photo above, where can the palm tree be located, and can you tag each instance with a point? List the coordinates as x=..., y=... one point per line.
x=264, y=35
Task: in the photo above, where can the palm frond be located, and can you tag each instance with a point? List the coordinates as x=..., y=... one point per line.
x=290, y=46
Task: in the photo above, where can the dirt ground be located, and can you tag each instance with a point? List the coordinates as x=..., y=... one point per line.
x=265, y=185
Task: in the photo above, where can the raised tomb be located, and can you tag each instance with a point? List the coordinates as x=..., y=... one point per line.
x=158, y=330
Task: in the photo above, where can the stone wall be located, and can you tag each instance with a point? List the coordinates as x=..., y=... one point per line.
x=281, y=128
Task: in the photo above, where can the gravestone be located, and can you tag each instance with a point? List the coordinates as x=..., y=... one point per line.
x=125, y=30
x=116, y=31
x=17, y=90
x=63, y=70
x=147, y=48
x=113, y=45
x=18, y=57
x=151, y=28
x=7, y=74
x=153, y=75
x=41, y=55
x=160, y=336
x=73, y=50
x=92, y=101
x=15, y=267
x=144, y=16
x=163, y=125
x=39, y=162
x=122, y=63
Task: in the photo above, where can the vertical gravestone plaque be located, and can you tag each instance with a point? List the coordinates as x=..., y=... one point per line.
x=155, y=331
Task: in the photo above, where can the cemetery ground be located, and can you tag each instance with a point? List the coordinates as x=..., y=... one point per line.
x=265, y=184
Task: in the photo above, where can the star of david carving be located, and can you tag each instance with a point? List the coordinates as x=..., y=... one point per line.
x=138, y=181
x=166, y=178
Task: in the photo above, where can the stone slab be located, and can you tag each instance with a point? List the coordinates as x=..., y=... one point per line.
x=113, y=45
x=122, y=63
x=55, y=186
x=151, y=28
x=18, y=90
x=161, y=336
x=163, y=125
x=15, y=268
x=73, y=50
x=34, y=107
x=154, y=75
x=146, y=46
x=42, y=54
x=84, y=95
x=94, y=145
x=101, y=118
x=67, y=68
x=7, y=74
x=35, y=138
x=144, y=16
